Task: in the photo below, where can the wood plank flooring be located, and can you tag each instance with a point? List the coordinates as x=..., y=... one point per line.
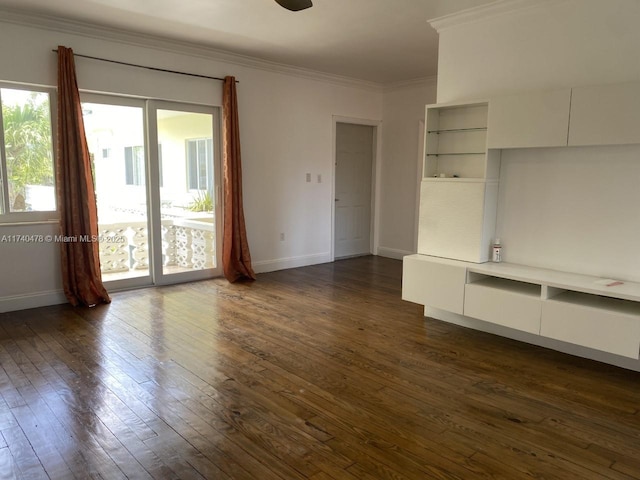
x=318, y=373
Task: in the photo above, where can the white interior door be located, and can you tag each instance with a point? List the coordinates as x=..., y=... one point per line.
x=354, y=164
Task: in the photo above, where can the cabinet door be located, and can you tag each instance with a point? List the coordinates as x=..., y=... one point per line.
x=603, y=328
x=455, y=219
x=534, y=119
x=504, y=302
x=605, y=115
x=433, y=283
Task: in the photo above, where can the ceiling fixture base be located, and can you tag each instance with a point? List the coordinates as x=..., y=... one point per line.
x=295, y=5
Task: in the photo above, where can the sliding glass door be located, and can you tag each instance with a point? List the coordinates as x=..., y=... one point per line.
x=187, y=224
x=156, y=172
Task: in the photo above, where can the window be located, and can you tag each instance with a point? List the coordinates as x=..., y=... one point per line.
x=200, y=164
x=134, y=165
x=26, y=152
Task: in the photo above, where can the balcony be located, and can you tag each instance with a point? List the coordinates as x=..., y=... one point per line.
x=187, y=244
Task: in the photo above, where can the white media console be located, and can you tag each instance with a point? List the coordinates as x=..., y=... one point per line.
x=576, y=309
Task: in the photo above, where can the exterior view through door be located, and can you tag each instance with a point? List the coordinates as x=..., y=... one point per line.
x=353, y=177
x=156, y=173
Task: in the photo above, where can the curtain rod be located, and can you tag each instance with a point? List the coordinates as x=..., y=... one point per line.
x=146, y=67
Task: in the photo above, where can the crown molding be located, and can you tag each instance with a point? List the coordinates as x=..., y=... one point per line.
x=484, y=12
x=180, y=47
x=416, y=82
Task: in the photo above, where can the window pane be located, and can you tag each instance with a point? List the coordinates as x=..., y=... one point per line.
x=202, y=165
x=128, y=165
x=210, y=164
x=192, y=162
x=28, y=148
x=188, y=222
x=160, y=165
x=120, y=193
x=138, y=153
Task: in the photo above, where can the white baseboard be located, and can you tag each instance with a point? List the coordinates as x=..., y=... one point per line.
x=265, y=266
x=545, y=342
x=32, y=300
x=393, y=253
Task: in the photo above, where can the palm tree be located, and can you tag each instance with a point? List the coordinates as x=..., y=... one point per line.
x=27, y=138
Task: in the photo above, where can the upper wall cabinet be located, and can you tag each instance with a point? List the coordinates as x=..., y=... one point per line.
x=605, y=115
x=533, y=119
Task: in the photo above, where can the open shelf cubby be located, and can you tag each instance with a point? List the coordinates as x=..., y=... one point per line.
x=456, y=142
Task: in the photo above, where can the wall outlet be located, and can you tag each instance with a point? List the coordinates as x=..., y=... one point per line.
x=282, y=237
x=308, y=177
x=319, y=178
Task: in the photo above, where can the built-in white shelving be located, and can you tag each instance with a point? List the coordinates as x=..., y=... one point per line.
x=457, y=218
x=459, y=189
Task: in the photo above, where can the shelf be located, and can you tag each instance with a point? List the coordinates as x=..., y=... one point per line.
x=456, y=130
x=456, y=141
x=560, y=280
x=590, y=300
x=507, y=285
x=458, y=179
x=461, y=153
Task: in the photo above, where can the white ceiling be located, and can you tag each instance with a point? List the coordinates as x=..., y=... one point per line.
x=383, y=41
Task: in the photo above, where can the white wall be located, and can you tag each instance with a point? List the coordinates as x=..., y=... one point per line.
x=403, y=110
x=286, y=131
x=544, y=44
x=572, y=209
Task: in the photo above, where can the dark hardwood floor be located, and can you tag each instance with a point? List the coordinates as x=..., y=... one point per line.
x=315, y=373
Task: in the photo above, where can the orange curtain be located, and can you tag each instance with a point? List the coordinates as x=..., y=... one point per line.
x=81, y=278
x=236, y=259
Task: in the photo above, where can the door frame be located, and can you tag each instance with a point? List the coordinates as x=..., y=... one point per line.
x=375, y=179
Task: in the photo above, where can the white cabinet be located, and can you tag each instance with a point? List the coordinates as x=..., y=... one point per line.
x=504, y=302
x=605, y=115
x=457, y=219
x=594, y=115
x=572, y=308
x=533, y=119
x=459, y=191
x=607, y=324
x=437, y=283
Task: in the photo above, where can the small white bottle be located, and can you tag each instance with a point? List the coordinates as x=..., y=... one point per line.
x=496, y=251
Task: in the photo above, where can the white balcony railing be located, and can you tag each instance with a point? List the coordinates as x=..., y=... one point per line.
x=186, y=243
